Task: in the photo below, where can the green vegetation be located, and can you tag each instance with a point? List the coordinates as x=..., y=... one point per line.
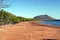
x=8, y=18
x=25, y=19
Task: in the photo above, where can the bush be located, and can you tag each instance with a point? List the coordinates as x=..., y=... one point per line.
x=8, y=18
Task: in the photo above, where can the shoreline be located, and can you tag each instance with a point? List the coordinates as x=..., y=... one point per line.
x=29, y=31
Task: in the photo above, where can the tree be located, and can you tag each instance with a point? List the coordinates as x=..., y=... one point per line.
x=4, y=4
x=8, y=18
x=4, y=16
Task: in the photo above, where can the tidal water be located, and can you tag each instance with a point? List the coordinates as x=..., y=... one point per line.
x=52, y=22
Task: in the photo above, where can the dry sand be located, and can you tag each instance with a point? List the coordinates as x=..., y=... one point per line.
x=29, y=31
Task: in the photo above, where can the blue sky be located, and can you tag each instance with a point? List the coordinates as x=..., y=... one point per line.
x=31, y=8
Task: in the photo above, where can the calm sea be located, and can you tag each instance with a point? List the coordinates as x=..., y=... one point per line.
x=56, y=22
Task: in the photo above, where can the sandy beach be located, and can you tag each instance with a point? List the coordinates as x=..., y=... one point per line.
x=29, y=31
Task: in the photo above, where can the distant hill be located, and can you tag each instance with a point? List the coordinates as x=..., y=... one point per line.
x=43, y=17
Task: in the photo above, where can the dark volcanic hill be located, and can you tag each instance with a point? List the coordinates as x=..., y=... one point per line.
x=44, y=17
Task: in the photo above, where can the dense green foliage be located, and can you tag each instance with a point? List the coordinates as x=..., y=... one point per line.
x=25, y=19
x=7, y=18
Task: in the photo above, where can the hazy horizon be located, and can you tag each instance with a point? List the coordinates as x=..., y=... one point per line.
x=31, y=8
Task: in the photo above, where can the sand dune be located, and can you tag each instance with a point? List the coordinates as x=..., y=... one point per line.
x=29, y=31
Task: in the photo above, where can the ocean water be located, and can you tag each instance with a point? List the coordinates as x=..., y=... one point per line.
x=56, y=22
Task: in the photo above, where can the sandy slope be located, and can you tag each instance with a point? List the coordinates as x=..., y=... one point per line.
x=29, y=31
